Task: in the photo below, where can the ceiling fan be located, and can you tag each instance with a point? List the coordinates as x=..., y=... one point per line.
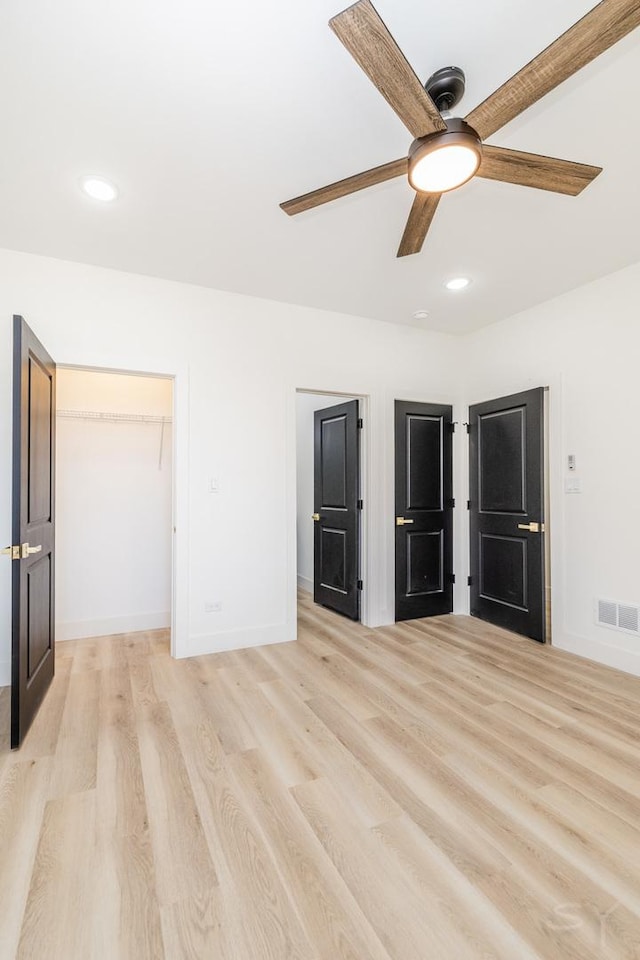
x=447, y=152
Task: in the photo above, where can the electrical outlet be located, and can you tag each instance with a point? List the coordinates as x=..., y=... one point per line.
x=214, y=607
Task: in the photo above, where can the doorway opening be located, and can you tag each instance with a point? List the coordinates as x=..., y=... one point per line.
x=331, y=500
x=114, y=503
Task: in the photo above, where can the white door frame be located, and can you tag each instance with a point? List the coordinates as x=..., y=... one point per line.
x=179, y=490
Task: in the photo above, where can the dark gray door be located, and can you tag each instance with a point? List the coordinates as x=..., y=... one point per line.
x=336, y=514
x=34, y=387
x=507, y=512
x=424, y=510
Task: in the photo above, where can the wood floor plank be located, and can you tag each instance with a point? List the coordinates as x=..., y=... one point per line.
x=77, y=744
x=183, y=864
x=358, y=787
x=132, y=928
x=259, y=920
x=436, y=788
x=122, y=807
x=192, y=929
x=400, y=917
x=42, y=737
x=23, y=794
x=329, y=913
x=59, y=918
x=479, y=929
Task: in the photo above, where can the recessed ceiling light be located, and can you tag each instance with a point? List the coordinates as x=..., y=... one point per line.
x=421, y=315
x=99, y=189
x=457, y=283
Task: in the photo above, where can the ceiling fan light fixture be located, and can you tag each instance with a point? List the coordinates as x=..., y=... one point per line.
x=444, y=161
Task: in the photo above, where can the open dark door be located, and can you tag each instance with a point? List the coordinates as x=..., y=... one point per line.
x=506, y=458
x=34, y=385
x=424, y=510
x=336, y=515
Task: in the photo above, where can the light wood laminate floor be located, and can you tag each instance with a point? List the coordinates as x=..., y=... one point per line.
x=436, y=789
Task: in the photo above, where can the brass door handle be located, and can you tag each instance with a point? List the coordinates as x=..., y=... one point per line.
x=315, y=517
x=400, y=521
x=13, y=552
x=532, y=527
x=27, y=550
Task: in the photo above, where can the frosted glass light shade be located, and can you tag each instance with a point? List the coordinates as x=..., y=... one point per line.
x=444, y=169
x=444, y=161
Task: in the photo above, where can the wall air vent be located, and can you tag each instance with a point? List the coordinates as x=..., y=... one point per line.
x=620, y=616
x=607, y=613
x=628, y=617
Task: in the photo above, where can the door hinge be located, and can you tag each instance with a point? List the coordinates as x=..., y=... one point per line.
x=450, y=503
x=452, y=426
x=469, y=581
x=360, y=504
x=468, y=426
x=13, y=552
x=468, y=504
x=359, y=584
x=360, y=423
x=452, y=578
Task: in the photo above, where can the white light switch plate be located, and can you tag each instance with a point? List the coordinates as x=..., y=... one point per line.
x=572, y=485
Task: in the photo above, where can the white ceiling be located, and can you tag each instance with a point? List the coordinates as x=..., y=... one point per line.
x=207, y=115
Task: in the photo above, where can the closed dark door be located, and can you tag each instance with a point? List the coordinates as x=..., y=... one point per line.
x=336, y=515
x=34, y=381
x=424, y=510
x=507, y=512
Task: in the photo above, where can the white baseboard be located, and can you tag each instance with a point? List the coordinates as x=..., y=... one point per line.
x=305, y=584
x=606, y=653
x=240, y=639
x=5, y=673
x=112, y=625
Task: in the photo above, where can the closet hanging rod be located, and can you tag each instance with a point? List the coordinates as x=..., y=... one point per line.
x=111, y=417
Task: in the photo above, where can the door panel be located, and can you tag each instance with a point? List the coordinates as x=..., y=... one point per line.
x=336, y=492
x=507, y=496
x=425, y=562
x=423, y=510
x=33, y=653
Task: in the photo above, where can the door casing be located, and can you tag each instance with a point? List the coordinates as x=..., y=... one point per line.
x=179, y=487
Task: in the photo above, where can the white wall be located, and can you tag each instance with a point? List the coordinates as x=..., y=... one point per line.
x=237, y=361
x=306, y=405
x=113, y=506
x=586, y=347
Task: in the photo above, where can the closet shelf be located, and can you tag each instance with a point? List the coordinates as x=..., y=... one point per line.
x=111, y=417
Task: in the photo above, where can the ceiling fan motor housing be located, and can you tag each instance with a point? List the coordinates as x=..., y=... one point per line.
x=446, y=87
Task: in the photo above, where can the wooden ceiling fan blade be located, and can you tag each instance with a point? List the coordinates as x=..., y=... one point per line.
x=415, y=232
x=342, y=188
x=601, y=28
x=534, y=170
x=366, y=37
